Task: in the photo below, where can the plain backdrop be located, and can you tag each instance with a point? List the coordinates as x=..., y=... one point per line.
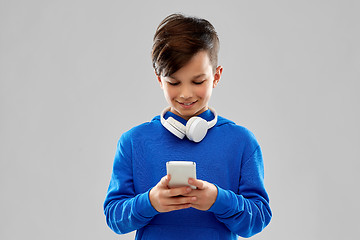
x=75, y=75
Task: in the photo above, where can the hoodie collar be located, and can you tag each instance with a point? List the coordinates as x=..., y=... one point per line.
x=207, y=115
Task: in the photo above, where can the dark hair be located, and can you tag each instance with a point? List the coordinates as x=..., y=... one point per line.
x=178, y=38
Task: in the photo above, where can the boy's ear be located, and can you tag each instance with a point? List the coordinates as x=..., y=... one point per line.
x=217, y=75
x=159, y=79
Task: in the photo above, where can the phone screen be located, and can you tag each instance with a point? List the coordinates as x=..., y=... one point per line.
x=180, y=172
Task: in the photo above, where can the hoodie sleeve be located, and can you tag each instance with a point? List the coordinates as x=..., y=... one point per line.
x=247, y=212
x=126, y=211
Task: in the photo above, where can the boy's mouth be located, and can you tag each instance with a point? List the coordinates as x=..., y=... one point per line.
x=187, y=104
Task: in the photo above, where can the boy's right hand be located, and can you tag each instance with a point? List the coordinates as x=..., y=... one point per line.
x=165, y=199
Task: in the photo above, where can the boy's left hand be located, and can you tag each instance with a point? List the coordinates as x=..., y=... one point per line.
x=205, y=194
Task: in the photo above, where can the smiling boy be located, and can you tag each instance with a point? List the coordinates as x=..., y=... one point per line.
x=230, y=198
x=189, y=89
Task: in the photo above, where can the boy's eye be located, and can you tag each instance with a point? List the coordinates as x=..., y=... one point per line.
x=198, y=83
x=173, y=84
x=177, y=83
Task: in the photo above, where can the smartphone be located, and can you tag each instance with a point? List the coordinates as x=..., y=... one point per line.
x=180, y=172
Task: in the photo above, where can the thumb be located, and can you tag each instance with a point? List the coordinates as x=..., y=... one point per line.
x=165, y=180
x=197, y=183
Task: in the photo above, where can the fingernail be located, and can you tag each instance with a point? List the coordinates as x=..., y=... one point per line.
x=188, y=189
x=191, y=181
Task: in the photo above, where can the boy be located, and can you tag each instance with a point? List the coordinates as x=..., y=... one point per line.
x=230, y=198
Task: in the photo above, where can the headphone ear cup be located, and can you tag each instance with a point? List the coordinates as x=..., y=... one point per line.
x=196, y=129
x=174, y=127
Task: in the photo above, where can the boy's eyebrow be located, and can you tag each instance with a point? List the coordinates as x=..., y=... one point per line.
x=193, y=78
x=198, y=76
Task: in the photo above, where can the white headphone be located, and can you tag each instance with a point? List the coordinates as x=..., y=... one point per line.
x=195, y=129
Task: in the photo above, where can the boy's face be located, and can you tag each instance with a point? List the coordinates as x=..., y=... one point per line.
x=188, y=90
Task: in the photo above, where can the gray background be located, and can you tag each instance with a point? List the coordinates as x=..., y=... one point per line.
x=76, y=74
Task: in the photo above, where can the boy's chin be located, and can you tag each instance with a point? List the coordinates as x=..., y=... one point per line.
x=186, y=113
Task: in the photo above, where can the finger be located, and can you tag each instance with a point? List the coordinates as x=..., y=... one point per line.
x=181, y=200
x=165, y=180
x=172, y=192
x=178, y=207
x=197, y=183
x=178, y=200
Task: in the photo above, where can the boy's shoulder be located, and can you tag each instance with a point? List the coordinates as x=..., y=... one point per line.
x=236, y=132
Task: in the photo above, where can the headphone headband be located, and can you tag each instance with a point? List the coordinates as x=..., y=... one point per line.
x=195, y=129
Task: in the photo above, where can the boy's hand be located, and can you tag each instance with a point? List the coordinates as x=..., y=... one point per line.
x=205, y=194
x=165, y=199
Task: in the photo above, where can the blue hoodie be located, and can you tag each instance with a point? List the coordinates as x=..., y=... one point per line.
x=229, y=157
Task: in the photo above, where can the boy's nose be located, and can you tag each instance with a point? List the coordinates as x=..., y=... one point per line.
x=186, y=92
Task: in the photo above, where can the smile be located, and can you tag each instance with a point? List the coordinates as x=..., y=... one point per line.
x=187, y=104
